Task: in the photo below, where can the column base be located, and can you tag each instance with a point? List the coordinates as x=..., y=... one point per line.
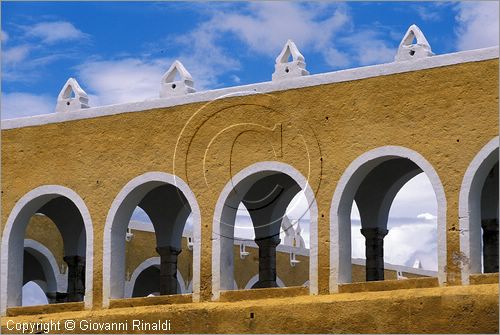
x=267, y=262
x=374, y=244
x=76, y=278
x=168, y=269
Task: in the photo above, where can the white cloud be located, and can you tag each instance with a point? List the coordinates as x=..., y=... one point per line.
x=27, y=54
x=19, y=66
x=427, y=216
x=235, y=79
x=57, y=31
x=415, y=197
x=368, y=48
x=336, y=58
x=18, y=104
x=121, y=81
x=266, y=26
x=323, y=28
x=478, y=24
x=16, y=54
x=4, y=36
x=427, y=13
x=137, y=79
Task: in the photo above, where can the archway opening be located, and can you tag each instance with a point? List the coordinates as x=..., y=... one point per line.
x=149, y=222
x=412, y=213
x=292, y=252
x=254, y=216
x=142, y=281
x=44, y=258
x=372, y=181
x=489, y=222
x=478, y=212
x=62, y=212
x=65, y=216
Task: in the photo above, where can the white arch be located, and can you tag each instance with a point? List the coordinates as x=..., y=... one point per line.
x=469, y=208
x=313, y=209
x=153, y=261
x=113, y=274
x=13, y=242
x=340, y=210
x=56, y=281
x=255, y=278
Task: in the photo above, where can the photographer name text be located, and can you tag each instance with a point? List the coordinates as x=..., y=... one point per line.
x=87, y=326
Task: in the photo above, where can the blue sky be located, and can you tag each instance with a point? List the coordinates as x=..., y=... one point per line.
x=119, y=50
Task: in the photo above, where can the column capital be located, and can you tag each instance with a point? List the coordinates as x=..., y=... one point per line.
x=374, y=233
x=490, y=225
x=271, y=241
x=74, y=260
x=168, y=250
x=168, y=269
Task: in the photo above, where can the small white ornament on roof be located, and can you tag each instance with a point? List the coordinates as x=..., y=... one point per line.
x=171, y=86
x=72, y=97
x=407, y=50
x=288, y=69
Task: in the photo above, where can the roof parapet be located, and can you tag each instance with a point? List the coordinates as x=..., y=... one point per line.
x=255, y=88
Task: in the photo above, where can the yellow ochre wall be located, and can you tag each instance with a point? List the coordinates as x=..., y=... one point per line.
x=447, y=114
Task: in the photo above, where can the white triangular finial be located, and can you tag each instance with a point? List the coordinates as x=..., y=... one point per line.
x=72, y=97
x=420, y=49
x=285, y=69
x=172, y=87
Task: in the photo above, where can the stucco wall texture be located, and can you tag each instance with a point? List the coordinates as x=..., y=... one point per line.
x=455, y=310
x=446, y=114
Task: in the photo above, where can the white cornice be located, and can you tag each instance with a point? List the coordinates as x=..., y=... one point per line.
x=264, y=87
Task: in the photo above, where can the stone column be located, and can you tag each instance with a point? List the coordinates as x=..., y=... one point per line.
x=267, y=262
x=168, y=269
x=374, y=242
x=490, y=245
x=76, y=278
x=56, y=297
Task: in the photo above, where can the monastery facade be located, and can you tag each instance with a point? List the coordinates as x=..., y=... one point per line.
x=72, y=179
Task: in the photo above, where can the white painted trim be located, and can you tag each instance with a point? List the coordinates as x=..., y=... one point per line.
x=395, y=267
x=340, y=210
x=13, y=241
x=265, y=87
x=125, y=202
x=470, y=237
x=129, y=285
x=313, y=209
x=61, y=280
x=255, y=278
